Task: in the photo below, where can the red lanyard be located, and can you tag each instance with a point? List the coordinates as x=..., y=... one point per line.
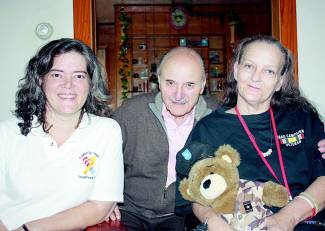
x=252, y=139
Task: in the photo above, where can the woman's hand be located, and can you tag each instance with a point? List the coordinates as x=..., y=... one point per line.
x=3, y=227
x=216, y=223
x=280, y=221
x=115, y=215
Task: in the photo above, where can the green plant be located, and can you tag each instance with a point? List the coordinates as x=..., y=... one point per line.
x=124, y=70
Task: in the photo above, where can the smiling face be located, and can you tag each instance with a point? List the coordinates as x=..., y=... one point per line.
x=258, y=76
x=181, y=83
x=66, y=86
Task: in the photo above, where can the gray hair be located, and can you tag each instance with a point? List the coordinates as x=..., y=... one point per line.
x=289, y=93
x=182, y=51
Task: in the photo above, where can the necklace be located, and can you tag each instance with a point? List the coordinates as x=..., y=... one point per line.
x=269, y=151
x=251, y=137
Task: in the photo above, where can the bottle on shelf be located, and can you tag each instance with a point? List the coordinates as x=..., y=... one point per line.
x=153, y=79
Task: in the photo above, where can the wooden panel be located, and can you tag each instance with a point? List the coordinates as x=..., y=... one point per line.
x=162, y=23
x=107, y=42
x=284, y=26
x=275, y=18
x=150, y=23
x=206, y=27
x=194, y=26
x=83, y=21
x=216, y=42
x=288, y=31
x=138, y=25
x=216, y=26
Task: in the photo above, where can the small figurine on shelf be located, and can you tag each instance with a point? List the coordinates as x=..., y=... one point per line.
x=144, y=73
x=214, y=57
x=214, y=72
x=153, y=80
x=219, y=84
x=142, y=46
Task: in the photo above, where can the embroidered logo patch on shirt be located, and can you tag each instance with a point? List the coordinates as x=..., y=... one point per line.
x=187, y=154
x=292, y=139
x=89, y=161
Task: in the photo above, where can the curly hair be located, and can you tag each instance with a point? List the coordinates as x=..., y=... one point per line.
x=289, y=93
x=30, y=97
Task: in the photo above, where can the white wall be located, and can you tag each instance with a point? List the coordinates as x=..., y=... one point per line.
x=311, y=51
x=18, y=42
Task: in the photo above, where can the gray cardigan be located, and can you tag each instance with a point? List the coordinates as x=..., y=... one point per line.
x=145, y=150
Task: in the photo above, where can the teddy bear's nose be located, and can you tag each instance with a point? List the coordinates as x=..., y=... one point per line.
x=206, y=184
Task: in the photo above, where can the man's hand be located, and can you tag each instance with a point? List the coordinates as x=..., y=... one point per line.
x=115, y=215
x=321, y=147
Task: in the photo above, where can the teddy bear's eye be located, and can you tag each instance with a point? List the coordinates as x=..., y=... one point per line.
x=211, y=173
x=206, y=184
x=212, y=186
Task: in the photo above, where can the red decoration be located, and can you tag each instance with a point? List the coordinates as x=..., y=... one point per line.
x=108, y=226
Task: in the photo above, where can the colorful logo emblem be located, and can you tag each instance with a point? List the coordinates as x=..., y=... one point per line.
x=292, y=139
x=89, y=162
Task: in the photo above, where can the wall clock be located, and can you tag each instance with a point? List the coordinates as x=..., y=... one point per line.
x=44, y=30
x=178, y=17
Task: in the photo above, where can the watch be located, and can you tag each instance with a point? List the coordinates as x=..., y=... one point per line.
x=178, y=17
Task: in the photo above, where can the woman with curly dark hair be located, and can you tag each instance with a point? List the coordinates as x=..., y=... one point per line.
x=61, y=164
x=276, y=132
x=31, y=98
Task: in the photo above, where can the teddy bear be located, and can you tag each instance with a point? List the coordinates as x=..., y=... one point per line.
x=215, y=182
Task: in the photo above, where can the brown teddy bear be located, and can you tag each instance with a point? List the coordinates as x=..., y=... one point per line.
x=215, y=182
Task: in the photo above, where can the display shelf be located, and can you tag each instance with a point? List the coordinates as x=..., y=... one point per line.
x=147, y=51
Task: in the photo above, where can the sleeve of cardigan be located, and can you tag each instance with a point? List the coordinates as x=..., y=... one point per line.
x=120, y=115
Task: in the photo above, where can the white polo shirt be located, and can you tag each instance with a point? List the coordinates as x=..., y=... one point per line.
x=39, y=179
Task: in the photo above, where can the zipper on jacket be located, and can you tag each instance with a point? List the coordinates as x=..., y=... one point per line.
x=165, y=193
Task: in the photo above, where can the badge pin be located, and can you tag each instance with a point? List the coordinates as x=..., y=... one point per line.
x=248, y=206
x=187, y=154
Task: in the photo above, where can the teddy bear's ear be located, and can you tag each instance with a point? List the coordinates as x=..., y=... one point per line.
x=229, y=154
x=183, y=188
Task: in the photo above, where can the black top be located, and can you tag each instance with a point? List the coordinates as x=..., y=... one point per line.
x=298, y=131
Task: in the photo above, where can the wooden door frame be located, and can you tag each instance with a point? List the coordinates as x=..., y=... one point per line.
x=84, y=21
x=284, y=26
